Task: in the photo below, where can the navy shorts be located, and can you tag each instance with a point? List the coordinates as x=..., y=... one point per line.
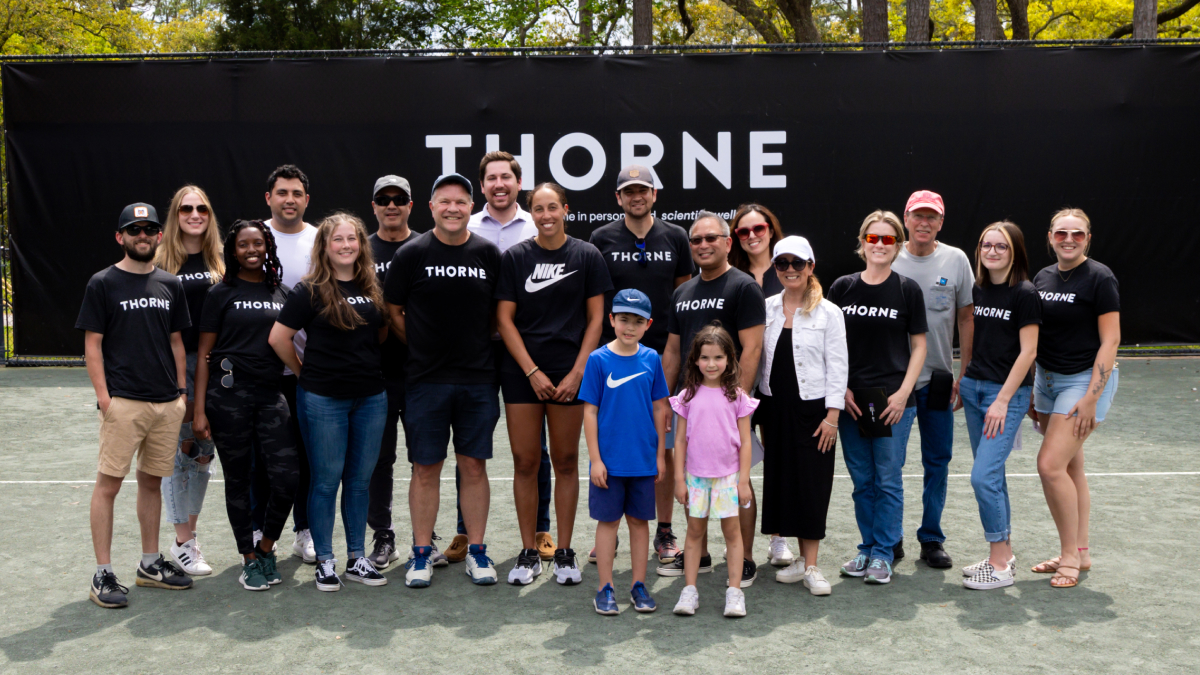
x=631, y=496
x=434, y=409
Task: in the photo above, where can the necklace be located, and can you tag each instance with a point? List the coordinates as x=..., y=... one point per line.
x=1068, y=277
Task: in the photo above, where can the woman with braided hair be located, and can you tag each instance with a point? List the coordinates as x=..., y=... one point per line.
x=242, y=401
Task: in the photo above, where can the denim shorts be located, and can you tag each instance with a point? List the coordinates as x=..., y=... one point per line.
x=631, y=496
x=1055, y=393
x=434, y=409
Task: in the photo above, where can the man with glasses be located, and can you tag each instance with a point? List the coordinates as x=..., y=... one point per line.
x=132, y=317
x=720, y=293
x=651, y=255
x=945, y=276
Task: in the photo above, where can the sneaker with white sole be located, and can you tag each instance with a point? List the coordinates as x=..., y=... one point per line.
x=364, y=572
x=566, y=567
x=383, y=552
x=303, y=547
x=675, y=569
x=856, y=567
x=735, y=602
x=107, y=592
x=189, y=557
x=252, y=577
x=689, y=601
x=436, y=557
x=878, y=572
x=815, y=582
x=779, y=554
x=791, y=574
x=420, y=568
x=479, y=566
x=163, y=573
x=258, y=535
x=527, y=568
x=988, y=577
x=327, y=578
x=972, y=570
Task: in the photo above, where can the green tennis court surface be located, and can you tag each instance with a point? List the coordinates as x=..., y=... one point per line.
x=1134, y=612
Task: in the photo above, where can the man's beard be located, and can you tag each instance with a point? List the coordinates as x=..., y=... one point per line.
x=132, y=252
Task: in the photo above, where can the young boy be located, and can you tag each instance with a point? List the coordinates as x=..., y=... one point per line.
x=625, y=414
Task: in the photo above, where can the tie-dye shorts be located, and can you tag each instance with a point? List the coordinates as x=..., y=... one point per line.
x=712, y=497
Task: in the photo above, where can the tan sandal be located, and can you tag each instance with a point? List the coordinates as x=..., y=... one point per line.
x=1072, y=579
x=1050, y=566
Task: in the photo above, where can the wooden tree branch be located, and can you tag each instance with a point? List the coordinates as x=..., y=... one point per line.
x=757, y=18
x=1050, y=21
x=686, y=20
x=1163, y=17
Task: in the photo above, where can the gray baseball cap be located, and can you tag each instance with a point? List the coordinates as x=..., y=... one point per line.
x=392, y=181
x=635, y=174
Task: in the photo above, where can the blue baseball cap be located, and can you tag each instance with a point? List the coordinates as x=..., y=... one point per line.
x=453, y=178
x=631, y=301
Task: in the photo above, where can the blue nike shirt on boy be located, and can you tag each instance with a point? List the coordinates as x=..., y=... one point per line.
x=625, y=388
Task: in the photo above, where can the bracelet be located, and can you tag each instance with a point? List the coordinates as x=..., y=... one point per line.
x=530, y=373
x=826, y=422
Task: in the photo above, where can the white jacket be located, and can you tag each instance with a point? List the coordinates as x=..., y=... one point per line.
x=819, y=353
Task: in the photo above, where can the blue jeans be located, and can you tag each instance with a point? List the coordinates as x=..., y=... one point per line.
x=875, y=466
x=937, y=444
x=183, y=492
x=342, y=436
x=987, y=475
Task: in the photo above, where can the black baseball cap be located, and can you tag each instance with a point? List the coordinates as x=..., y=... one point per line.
x=453, y=178
x=137, y=213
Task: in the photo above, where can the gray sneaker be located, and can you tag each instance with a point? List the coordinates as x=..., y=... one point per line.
x=879, y=572
x=856, y=567
x=107, y=592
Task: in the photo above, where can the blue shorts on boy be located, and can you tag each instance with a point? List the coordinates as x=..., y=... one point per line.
x=624, y=388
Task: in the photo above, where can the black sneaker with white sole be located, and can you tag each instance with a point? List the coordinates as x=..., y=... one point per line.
x=107, y=592
x=163, y=574
x=749, y=573
x=566, y=567
x=364, y=572
x=527, y=567
x=327, y=578
x=675, y=569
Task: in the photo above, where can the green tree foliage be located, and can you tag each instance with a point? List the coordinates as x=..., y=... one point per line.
x=105, y=26
x=322, y=24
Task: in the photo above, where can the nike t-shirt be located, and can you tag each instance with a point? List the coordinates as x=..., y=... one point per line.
x=136, y=313
x=650, y=265
x=1071, y=304
x=196, y=281
x=1000, y=314
x=625, y=388
x=394, y=352
x=242, y=314
x=551, y=289
x=734, y=298
x=447, y=294
x=337, y=363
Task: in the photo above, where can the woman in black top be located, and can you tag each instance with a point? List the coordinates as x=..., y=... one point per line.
x=241, y=399
x=340, y=396
x=1075, y=381
x=191, y=250
x=997, y=386
x=551, y=304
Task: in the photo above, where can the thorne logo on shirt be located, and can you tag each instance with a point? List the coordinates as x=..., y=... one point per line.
x=863, y=310
x=993, y=312
x=142, y=303
x=707, y=303
x=238, y=304
x=1057, y=297
x=357, y=300
x=197, y=276
x=455, y=271
x=634, y=256
x=381, y=267
x=548, y=274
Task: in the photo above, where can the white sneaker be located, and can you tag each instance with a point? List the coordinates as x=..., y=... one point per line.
x=989, y=577
x=735, y=602
x=566, y=567
x=190, y=558
x=303, y=547
x=815, y=582
x=780, y=555
x=689, y=601
x=972, y=570
x=479, y=566
x=527, y=568
x=258, y=535
x=791, y=574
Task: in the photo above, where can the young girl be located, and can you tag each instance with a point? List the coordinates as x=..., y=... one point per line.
x=713, y=444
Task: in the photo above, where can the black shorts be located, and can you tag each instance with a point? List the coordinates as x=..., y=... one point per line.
x=516, y=389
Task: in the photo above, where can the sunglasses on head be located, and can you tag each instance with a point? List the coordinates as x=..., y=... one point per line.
x=708, y=239
x=797, y=264
x=885, y=239
x=188, y=208
x=1078, y=236
x=758, y=230
x=137, y=230
x=987, y=246
x=399, y=200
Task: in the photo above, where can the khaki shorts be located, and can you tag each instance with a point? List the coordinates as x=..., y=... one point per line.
x=149, y=430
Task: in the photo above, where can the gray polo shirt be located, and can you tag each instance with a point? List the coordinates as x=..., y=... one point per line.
x=946, y=278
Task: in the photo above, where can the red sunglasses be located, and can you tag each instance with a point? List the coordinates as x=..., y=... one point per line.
x=758, y=230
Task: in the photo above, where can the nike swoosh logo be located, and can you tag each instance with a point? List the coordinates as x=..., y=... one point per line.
x=613, y=384
x=532, y=286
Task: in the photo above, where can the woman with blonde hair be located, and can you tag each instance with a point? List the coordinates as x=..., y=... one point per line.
x=192, y=250
x=340, y=395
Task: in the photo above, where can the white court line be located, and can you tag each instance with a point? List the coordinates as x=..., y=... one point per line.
x=506, y=478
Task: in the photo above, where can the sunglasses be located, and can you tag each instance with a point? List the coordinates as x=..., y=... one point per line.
x=1078, y=236
x=987, y=246
x=137, y=230
x=744, y=233
x=797, y=264
x=885, y=239
x=708, y=239
x=398, y=200
x=642, y=260
x=202, y=209
x=227, y=378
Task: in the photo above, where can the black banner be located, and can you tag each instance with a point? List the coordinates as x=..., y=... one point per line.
x=821, y=138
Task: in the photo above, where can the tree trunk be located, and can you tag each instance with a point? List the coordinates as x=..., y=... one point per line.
x=643, y=22
x=1019, y=11
x=875, y=20
x=799, y=15
x=757, y=18
x=585, y=22
x=916, y=21
x=1145, y=19
x=987, y=22
x=1163, y=17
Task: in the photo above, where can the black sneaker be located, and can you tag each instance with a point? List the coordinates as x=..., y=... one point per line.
x=749, y=573
x=898, y=552
x=107, y=592
x=664, y=545
x=362, y=571
x=566, y=567
x=163, y=574
x=527, y=567
x=675, y=569
x=327, y=578
x=935, y=556
x=384, y=551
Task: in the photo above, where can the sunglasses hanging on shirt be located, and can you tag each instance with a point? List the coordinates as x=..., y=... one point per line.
x=227, y=378
x=641, y=258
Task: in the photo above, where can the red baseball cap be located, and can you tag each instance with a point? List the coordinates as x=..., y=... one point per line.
x=924, y=199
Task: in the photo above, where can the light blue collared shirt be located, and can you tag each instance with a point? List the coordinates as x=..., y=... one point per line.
x=504, y=235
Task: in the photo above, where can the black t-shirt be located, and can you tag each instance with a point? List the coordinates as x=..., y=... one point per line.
x=337, y=363
x=1000, y=314
x=551, y=289
x=393, y=351
x=137, y=314
x=667, y=257
x=242, y=314
x=879, y=321
x=771, y=284
x=734, y=298
x=1070, y=335
x=196, y=281
x=447, y=293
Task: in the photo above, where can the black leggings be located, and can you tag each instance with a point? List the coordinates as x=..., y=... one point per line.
x=239, y=416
